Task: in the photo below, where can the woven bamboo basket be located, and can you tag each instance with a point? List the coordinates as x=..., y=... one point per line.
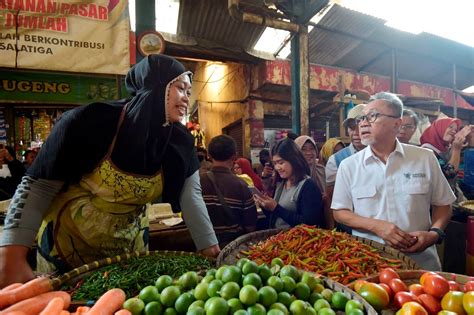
x=78, y=273
x=231, y=253
x=413, y=276
x=467, y=206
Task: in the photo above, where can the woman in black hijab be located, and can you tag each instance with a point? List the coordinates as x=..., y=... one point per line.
x=98, y=169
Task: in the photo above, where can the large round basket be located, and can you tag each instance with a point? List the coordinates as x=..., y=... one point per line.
x=467, y=206
x=78, y=273
x=232, y=252
x=413, y=276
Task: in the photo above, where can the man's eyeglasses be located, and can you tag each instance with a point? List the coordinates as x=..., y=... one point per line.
x=408, y=127
x=372, y=117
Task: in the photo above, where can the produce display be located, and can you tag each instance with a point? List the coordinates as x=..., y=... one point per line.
x=431, y=294
x=276, y=278
x=333, y=254
x=244, y=288
x=134, y=274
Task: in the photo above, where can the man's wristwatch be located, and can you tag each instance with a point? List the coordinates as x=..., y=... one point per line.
x=441, y=234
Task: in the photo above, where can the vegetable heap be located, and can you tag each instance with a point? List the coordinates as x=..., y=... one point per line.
x=134, y=274
x=434, y=294
x=243, y=289
x=330, y=253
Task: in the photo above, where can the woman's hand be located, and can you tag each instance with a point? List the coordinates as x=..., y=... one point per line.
x=211, y=251
x=458, y=142
x=265, y=202
x=13, y=265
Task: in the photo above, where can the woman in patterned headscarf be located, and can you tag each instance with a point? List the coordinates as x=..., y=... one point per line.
x=331, y=146
x=97, y=171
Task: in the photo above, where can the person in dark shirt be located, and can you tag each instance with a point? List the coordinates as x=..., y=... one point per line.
x=227, y=197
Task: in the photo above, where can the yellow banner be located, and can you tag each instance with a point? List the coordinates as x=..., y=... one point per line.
x=72, y=35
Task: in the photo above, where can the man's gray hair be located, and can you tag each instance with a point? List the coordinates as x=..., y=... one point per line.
x=412, y=115
x=394, y=102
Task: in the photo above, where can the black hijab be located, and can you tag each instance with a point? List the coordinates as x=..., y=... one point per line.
x=146, y=141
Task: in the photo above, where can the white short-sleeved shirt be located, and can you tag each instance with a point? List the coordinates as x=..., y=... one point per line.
x=400, y=192
x=331, y=167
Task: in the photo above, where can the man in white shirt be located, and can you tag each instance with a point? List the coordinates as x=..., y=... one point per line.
x=385, y=191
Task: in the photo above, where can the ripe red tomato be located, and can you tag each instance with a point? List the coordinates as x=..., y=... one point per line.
x=375, y=295
x=397, y=285
x=388, y=274
x=403, y=297
x=454, y=286
x=436, y=285
x=416, y=289
x=426, y=274
x=387, y=288
x=469, y=286
x=412, y=308
x=430, y=303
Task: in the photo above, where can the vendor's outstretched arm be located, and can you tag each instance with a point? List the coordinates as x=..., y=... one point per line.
x=197, y=218
x=25, y=213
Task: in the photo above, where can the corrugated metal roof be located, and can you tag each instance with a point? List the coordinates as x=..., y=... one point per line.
x=210, y=20
x=342, y=38
x=350, y=39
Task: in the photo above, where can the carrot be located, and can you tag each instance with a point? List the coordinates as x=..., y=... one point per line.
x=64, y=312
x=16, y=313
x=34, y=305
x=123, y=312
x=82, y=310
x=11, y=287
x=110, y=302
x=26, y=291
x=54, y=307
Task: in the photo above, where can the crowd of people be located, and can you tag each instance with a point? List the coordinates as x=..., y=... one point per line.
x=379, y=187
x=138, y=152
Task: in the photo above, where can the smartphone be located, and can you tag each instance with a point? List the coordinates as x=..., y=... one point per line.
x=255, y=191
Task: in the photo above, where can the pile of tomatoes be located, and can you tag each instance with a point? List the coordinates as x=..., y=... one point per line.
x=434, y=294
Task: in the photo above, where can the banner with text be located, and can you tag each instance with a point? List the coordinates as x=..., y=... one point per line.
x=72, y=35
x=58, y=88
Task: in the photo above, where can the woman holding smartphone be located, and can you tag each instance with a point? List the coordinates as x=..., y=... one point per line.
x=446, y=140
x=297, y=198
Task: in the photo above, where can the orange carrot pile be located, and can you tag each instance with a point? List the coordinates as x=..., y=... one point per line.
x=333, y=254
x=54, y=307
x=28, y=290
x=35, y=297
x=37, y=304
x=109, y=303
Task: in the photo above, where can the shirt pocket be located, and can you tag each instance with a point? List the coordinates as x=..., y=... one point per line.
x=416, y=196
x=364, y=199
x=420, y=188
